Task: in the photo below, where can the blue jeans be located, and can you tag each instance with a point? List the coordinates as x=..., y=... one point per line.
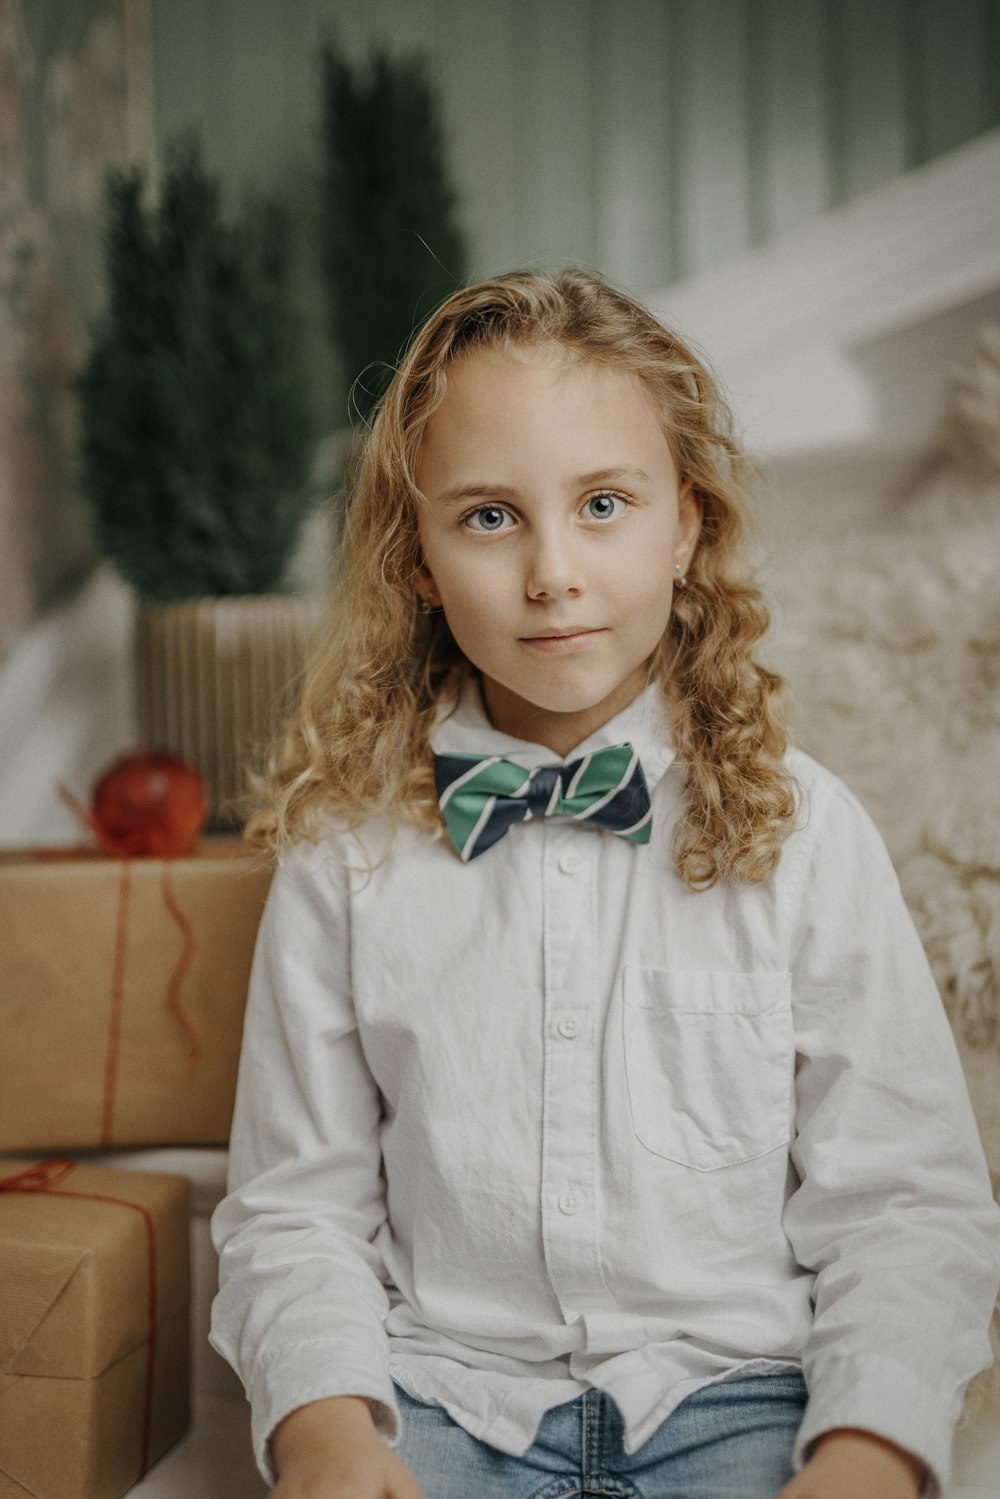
x=726, y=1441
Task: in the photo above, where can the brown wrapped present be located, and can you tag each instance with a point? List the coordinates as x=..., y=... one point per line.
x=94, y=1326
x=122, y=988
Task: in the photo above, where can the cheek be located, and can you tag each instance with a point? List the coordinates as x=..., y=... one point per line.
x=479, y=626
x=642, y=579
x=469, y=580
x=473, y=612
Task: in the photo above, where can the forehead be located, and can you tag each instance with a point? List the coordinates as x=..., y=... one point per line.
x=541, y=398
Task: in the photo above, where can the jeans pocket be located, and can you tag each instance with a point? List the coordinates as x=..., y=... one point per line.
x=709, y=1063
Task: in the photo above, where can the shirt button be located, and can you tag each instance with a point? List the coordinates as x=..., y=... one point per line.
x=569, y=863
x=569, y=1203
x=567, y=1026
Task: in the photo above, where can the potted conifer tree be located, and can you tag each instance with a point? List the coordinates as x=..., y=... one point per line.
x=196, y=444
x=393, y=246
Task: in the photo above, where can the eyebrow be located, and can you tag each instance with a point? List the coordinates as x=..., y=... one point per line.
x=463, y=491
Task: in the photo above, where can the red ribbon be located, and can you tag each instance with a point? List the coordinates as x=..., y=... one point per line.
x=182, y=964
x=118, y=989
x=117, y=1005
x=42, y=1178
x=37, y=1178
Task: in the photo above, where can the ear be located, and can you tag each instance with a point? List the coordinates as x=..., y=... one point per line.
x=690, y=509
x=425, y=585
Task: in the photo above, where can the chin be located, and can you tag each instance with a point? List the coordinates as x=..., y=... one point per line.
x=569, y=702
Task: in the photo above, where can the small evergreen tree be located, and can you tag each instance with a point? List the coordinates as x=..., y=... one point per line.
x=197, y=427
x=393, y=247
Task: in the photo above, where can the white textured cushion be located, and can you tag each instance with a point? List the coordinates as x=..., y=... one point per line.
x=890, y=641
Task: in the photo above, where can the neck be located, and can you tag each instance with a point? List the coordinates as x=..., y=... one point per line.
x=559, y=732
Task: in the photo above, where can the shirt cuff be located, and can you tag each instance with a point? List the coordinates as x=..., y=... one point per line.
x=315, y=1371
x=888, y=1399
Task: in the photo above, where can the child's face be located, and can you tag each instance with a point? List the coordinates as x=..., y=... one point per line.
x=552, y=527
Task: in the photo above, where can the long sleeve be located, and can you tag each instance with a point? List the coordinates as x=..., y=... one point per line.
x=302, y=1299
x=894, y=1211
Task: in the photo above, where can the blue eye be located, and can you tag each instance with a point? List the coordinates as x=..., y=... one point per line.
x=604, y=506
x=489, y=518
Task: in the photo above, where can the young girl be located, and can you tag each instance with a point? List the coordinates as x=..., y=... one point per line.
x=599, y=1128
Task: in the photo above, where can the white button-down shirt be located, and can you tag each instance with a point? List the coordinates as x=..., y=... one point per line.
x=549, y=1120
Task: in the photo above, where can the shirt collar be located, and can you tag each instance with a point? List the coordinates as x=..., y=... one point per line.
x=465, y=729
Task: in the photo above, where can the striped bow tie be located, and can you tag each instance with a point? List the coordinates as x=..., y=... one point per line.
x=482, y=797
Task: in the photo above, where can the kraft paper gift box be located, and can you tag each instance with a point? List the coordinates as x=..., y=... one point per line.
x=122, y=990
x=94, y=1326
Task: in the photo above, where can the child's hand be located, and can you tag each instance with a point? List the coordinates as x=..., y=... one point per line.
x=330, y=1449
x=849, y=1463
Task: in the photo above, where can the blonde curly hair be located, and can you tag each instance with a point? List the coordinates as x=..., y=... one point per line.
x=358, y=744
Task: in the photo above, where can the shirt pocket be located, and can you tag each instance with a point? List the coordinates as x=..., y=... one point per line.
x=709, y=1063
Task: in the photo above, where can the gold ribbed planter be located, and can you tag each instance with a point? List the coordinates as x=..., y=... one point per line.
x=213, y=680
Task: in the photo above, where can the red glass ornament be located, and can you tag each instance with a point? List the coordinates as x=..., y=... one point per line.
x=147, y=802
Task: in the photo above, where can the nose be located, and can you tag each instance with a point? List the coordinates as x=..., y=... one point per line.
x=554, y=568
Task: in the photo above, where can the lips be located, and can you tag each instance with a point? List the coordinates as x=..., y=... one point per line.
x=564, y=633
x=557, y=642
